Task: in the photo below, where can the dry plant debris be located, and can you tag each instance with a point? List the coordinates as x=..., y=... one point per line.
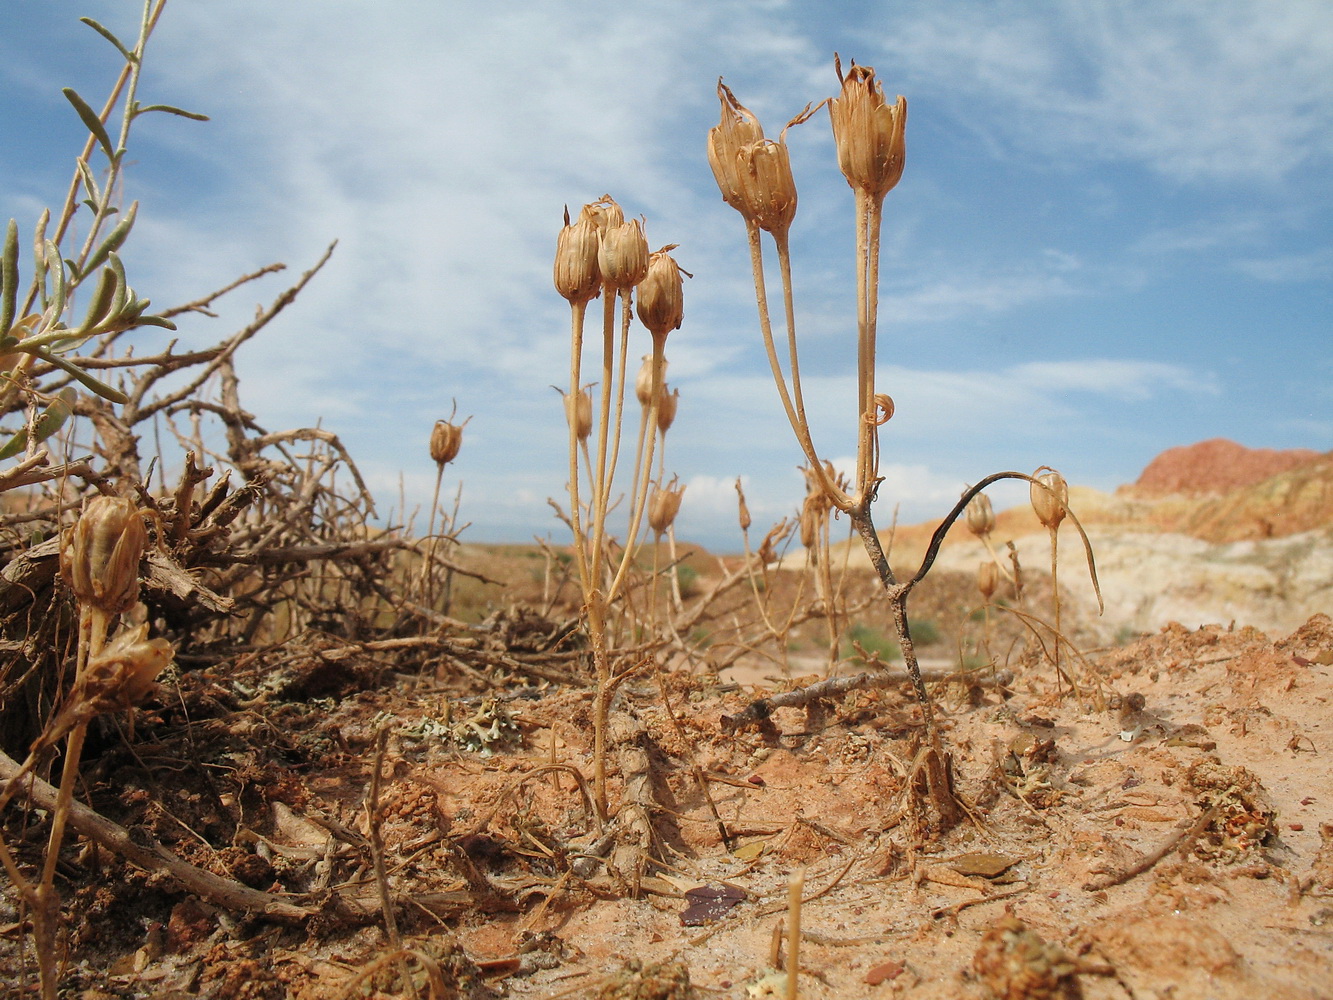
x=256, y=746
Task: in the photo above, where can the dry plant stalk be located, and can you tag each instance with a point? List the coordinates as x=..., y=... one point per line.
x=755, y=178
x=603, y=254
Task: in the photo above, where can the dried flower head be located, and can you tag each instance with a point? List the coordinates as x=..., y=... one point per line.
x=662, y=294
x=99, y=555
x=980, y=515
x=643, y=382
x=1050, y=496
x=577, y=276
x=604, y=213
x=445, y=441
x=126, y=669
x=623, y=257
x=664, y=506
x=753, y=173
x=578, y=411
x=744, y=513
x=119, y=677
x=667, y=403
x=737, y=129
x=767, y=184
x=988, y=579
x=868, y=131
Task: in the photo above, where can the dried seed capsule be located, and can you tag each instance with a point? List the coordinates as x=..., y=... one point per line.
x=604, y=213
x=445, y=441
x=868, y=132
x=664, y=506
x=767, y=185
x=623, y=257
x=99, y=555
x=578, y=411
x=744, y=512
x=666, y=408
x=126, y=669
x=988, y=579
x=577, y=276
x=661, y=303
x=643, y=382
x=980, y=515
x=1050, y=499
x=738, y=128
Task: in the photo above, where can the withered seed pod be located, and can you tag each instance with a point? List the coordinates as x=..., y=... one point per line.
x=988, y=579
x=868, y=131
x=445, y=441
x=578, y=411
x=99, y=555
x=623, y=257
x=1049, y=503
x=664, y=506
x=667, y=404
x=980, y=515
x=577, y=276
x=662, y=294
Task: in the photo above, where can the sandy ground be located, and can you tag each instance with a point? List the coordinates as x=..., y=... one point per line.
x=1167, y=834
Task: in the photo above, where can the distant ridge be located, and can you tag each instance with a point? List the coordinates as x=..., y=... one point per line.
x=1213, y=468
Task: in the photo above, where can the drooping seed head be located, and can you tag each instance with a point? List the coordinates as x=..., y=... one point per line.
x=667, y=403
x=737, y=129
x=980, y=515
x=445, y=441
x=577, y=276
x=661, y=303
x=664, y=506
x=988, y=579
x=99, y=555
x=868, y=131
x=1050, y=496
x=578, y=412
x=124, y=672
x=623, y=257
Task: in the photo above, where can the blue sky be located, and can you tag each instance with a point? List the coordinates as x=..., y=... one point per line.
x=1114, y=233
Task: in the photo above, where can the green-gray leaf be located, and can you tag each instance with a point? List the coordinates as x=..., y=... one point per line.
x=47, y=423
x=129, y=56
x=168, y=109
x=101, y=388
x=90, y=119
x=9, y=277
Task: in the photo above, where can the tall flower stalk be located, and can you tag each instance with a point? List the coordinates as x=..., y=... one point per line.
x=754, y=176
x=601, y=254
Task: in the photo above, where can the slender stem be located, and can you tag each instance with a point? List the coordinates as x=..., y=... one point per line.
x=578, y=312
x=601, y=487
x=639, y=501
x=426, y=583
x=797, y=420
x=1055, y=595
x=865, y=350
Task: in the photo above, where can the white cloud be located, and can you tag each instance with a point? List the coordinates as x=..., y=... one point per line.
x=1317, y=265
x=1224, y=91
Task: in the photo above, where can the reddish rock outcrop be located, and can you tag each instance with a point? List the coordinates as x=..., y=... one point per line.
x=1213, y=468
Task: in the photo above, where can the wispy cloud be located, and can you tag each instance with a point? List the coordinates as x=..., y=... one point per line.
x=1224, y=91
x=1317, y=265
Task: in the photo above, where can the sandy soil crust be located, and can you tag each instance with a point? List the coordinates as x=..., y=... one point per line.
x=1166, y=832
